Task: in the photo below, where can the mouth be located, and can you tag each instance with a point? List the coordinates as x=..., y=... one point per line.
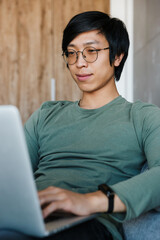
x=83, y=77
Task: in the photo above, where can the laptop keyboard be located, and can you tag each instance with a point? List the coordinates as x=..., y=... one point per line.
x=58, y=215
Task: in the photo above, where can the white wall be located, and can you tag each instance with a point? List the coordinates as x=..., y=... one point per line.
x=147, y=51
x=123, y=9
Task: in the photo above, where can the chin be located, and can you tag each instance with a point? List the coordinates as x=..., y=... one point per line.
x=87, y=90
x=85, y=87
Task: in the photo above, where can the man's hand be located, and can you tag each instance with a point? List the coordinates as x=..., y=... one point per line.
x=54, y=199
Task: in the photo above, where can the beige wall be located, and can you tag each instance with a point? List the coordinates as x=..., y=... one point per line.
x=147, y=50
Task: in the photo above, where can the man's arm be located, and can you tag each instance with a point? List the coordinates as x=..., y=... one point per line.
x=53, y=199
x=31, y=138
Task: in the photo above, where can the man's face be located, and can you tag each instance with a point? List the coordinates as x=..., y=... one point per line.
x=91, y=77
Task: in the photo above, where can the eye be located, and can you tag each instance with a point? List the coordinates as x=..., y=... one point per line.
x=70, y=53
x=91, y=50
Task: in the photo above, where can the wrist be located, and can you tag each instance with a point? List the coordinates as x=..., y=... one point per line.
x=109, y=194
x=98, y=201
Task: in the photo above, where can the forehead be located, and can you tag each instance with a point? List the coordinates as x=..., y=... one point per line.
x=93, y=37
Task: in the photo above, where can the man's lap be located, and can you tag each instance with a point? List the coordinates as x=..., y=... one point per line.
x=91, y=230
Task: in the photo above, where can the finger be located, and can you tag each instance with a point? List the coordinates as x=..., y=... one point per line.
x=54, y=206
x=51, y=197
x=48, y=190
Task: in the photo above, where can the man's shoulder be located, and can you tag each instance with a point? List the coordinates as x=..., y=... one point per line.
x=145, y=112
x=47, y=108
x=144, y=107
x=55, y=104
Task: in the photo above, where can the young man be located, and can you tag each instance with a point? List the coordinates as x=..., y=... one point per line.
x=75, y=147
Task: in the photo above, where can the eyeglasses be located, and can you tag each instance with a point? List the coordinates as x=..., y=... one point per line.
x=89, y=54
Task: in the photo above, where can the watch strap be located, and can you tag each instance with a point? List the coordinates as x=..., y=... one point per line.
x=110, y=194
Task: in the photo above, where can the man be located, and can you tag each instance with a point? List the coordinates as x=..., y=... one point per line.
x=87, y=155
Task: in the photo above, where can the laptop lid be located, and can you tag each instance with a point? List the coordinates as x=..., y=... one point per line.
x=19, y=203
x=20, y=208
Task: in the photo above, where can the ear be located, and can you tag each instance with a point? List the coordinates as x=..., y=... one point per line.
x=118, y=59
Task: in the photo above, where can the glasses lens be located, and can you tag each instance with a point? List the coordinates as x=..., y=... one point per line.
x=70, y=56
x=90, y=54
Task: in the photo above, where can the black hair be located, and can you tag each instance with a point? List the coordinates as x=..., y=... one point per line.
x=113, y=29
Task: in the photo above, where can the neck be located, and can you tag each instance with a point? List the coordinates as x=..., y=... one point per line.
x=98, y=99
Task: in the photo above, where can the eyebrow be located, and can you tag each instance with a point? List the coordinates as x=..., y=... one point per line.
x=85, y=44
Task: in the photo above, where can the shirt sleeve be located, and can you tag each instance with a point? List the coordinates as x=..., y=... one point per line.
x=141, y=193
x=31, y=134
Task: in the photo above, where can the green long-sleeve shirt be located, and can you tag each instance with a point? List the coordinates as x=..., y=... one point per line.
x=78, y=149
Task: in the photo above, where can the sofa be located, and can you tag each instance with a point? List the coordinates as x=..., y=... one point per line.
x=146, y=226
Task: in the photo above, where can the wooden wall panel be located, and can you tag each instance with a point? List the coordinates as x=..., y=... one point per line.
x=25, y=53
x=35, y=45
x=9, y=81
x=65, y=9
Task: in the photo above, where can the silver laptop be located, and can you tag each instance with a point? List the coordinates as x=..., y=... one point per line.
x=19, y=205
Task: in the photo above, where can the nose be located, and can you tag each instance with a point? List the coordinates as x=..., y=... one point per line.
x=81, y=60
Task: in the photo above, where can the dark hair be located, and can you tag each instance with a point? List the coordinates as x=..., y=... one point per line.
x=112, y=28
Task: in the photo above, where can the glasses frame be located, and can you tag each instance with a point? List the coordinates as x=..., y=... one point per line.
x=97, y=50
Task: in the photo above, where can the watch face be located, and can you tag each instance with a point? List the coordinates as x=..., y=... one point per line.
x=108, y=193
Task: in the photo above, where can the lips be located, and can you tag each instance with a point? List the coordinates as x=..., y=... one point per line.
x=83, y=77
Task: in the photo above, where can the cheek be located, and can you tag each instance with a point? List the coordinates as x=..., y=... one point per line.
x=71, y=72
x=104, y=68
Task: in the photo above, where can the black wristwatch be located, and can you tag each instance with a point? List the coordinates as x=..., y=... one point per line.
x=110, y=194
